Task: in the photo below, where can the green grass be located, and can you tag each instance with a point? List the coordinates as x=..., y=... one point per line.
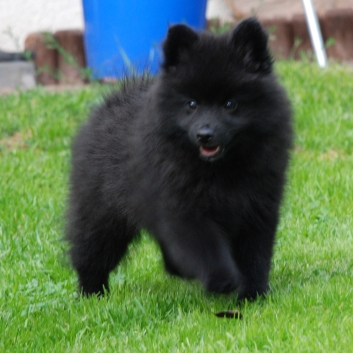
x=309, y=308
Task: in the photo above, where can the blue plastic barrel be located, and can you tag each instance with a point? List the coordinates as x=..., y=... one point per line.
x=125, y=36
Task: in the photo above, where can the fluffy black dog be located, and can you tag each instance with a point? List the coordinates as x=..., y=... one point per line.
x=197, y=156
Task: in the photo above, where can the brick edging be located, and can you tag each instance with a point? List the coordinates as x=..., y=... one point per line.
x=288, y=38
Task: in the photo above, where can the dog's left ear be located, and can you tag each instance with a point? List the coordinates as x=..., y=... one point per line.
x=180, y=38
x=251, y=44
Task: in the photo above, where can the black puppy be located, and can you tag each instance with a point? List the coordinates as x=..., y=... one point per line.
x=197, y=156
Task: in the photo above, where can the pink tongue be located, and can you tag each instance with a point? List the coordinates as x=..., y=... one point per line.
x=209, y=152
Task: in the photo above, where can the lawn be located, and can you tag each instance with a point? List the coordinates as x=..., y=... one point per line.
x=309, y=308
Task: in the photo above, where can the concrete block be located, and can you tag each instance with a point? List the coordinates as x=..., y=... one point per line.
x=17, y=74
x=302, y=41
x=338, y=24
x=46, y=59
x=281, y=36
x=71, y=59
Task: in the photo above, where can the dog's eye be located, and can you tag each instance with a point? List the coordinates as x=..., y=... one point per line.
x=231, y=104
x=192, y=104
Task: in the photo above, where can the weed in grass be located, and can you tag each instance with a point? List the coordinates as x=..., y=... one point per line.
x=309, y=308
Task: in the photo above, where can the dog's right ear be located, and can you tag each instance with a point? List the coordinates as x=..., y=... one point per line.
x=179, y=39
x=250, y=41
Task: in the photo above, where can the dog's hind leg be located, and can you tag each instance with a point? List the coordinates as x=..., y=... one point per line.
x=97, y=246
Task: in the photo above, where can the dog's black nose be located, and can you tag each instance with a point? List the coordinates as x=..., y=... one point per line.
x=205, y=135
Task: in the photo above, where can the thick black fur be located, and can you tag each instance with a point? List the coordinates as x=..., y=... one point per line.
x=197, y=156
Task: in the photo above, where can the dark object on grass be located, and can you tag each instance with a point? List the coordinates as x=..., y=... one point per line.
x=197, y=156
x=230, y=314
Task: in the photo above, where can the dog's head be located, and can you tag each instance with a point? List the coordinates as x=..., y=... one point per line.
x=218, y=90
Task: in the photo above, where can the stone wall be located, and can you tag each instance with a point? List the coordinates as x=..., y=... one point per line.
x=63, y=61
x=289, y=36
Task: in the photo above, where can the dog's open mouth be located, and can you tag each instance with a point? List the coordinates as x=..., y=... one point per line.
x=210, y=152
